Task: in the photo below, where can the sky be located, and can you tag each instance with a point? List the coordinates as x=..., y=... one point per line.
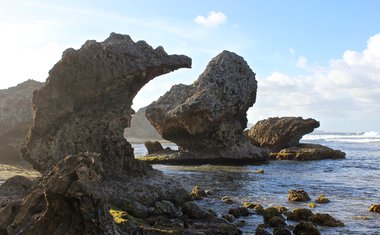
x=316, y=58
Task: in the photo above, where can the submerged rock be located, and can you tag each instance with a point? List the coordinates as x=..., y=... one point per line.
x=322, y=199
x=15, y=119
x=207, y=119
x=305, y=228
x=298, y=196
x=278, y=133
x=325, y=220
x=238, y=211
x=375, y=208
x=86, y=102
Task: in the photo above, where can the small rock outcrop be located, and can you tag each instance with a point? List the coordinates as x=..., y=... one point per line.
x=374, y=208
x=15, y=119
x=141, y=130
x=281, y=137
x=278, y=133
x=86, y=101
x=207, y=119
x=298, y=196
x=308, y=152
x=153, y=147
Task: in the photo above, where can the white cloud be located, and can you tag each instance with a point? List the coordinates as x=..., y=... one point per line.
x=213, y=19
x=302, y=62
x=347, y=88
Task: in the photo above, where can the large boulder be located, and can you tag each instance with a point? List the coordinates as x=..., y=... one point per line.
x=278, y=133
x=15, y=119
x=86, y=101
x=207, y=119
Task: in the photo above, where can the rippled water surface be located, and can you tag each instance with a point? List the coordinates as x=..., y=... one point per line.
x=352, y=185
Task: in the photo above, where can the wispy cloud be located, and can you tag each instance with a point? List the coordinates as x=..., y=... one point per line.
x=213, y=19
x=302, y=62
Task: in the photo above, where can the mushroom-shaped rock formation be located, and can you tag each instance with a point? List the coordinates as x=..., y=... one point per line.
x=86, y=102
x=85, y=105
x=281, y=137
x=207, y=119
x=15, y=119
x=278, y=133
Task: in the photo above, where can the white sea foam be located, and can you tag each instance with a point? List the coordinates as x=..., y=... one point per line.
x=363, y=137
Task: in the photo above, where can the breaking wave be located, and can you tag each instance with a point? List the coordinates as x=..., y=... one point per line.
x=361, y=137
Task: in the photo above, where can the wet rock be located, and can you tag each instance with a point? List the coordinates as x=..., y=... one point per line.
x=166, y=208
x=228, y=217
x=322, y=199
x=198, y=193
x=153, y=147
x=86, y=102
x=207, y=119
x=299, y=214
x=15, y=119
x=250, y=205
x=325, y=220
x=375, y=208
x=276, y=221
x=278, y=133
x=309, y=152
x=305, y=228
x=227, y=200
x=281, y=231
x=271, y=212
x=260, y=171
x=238, y=212
x=281, y=209
x=260, y=230
x=192, y=210
x=298, y=196
x=240, y=223
x=212, y=226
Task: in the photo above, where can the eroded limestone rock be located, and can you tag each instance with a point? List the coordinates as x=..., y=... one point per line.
x=278, y=133
x=15, y=119
x=86, y=101
x=207, y=119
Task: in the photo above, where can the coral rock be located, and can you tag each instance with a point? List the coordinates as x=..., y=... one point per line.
x=207, y=119
x=86, y=101
x=278, y=133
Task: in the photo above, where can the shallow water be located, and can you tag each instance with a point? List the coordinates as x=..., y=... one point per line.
x=352, y=185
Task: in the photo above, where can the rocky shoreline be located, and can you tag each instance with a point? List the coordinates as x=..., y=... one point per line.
x=91, y=183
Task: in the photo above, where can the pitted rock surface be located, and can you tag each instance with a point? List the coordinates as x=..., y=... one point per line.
x=278, y=133
x=86, y=101
x=15, y=119
x=207, y=119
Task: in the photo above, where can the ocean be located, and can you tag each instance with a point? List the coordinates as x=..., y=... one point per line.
x=352, y=184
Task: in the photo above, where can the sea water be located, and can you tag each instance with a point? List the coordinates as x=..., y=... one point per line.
x=352, y=185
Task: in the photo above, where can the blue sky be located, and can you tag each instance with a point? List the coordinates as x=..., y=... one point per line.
x=317, y=59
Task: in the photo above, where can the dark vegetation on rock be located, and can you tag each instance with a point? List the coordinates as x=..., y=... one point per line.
x=207, y=119
x=15, y=119
x=91, y=183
